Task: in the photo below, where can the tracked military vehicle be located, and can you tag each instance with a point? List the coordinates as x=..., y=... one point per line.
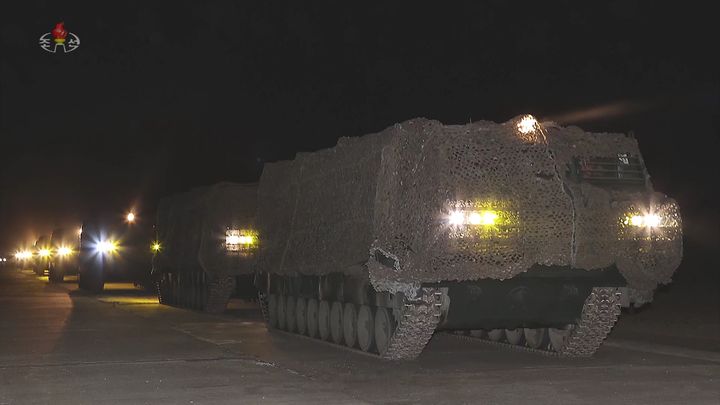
x=527, y=234
x=42, y=253
x=115, y=248
x=206, y=246
x=65, y=244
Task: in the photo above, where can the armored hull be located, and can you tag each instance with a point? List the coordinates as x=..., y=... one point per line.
x=519, y=227
x=206, y=246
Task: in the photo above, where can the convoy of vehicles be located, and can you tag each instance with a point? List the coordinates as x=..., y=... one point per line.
x=521, y=233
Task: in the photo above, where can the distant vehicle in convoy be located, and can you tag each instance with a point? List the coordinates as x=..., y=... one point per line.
x=65, y=244
x=42, y=253
x=206, y=245
x=521, y=233
x=114, y=248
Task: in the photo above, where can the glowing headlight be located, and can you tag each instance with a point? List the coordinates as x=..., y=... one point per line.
x=238, y=239
x=23, y=255
x=527, y=124
x=155, y=247
x=485, y=217
x=44, y=252
x=642, y=221
x=106, y=247
x=64, y=251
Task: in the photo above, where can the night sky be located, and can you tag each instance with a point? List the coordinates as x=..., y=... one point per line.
x=165, y=96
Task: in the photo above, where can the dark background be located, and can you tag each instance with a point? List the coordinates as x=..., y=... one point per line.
x=165, y=96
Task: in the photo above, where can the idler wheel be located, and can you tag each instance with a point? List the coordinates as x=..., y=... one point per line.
x=312, y=317
x=384, y=329
x=515, y=336
x=336, y=322
x=350, y=324
x=495, y=335
x=365, y=328
x=272, y=311
x=535, y=337
x=290, y=313
x=558, y=337
x=282, y=311
x=324, y=320
x=301, y=315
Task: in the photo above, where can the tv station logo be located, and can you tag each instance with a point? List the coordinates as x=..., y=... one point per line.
x=59, y=38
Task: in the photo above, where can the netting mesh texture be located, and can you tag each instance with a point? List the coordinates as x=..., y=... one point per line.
x=393, y=195
x=192, y=229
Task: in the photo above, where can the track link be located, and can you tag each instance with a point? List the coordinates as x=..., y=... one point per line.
x=599, y=314
x=416, y=320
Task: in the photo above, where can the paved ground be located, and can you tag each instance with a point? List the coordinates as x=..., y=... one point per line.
x=60, y=346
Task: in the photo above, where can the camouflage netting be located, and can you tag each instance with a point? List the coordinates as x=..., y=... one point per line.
x=192, y=225
x=389, y=195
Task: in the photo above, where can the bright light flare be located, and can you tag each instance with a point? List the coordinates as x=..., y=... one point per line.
x=237, y=239
x=106, y=247
x=527, y=124
x=23, y=254
x=456, y=218
x=130, y=217
x=64, y=251
x=644, y=221
x=156, y=247
x=485, y=218
x=44, y=252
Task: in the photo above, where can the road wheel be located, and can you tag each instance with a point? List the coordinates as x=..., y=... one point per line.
x=336, y=322
x=282, y=312
x=384, y=329
x=496, y=335
x=350, y=324
x=324, y=320
x=365, y=328
x=515, y=336
x=290, y=313
x=301, y=315
x=273, y=311
x=536, y=337
x=558, y=337
x=312, y=317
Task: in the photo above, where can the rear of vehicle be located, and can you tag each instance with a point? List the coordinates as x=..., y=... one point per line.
x=206, y=246
x=65, y=244
x=114, y=250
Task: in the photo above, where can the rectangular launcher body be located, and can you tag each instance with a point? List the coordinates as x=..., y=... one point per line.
x=422, y=202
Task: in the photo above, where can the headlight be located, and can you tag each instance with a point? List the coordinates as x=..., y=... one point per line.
x=646, y=221
x=484, y=217
x=106, y=247
x=155, y=247
x=240, y=239
x=23, y=254
x=44, y=252
x=64, y=251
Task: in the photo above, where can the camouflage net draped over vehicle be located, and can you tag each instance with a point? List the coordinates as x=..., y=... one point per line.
x=192, y=226
x=389, y=196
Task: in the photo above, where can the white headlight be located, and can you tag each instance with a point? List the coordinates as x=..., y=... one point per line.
x=106, y=247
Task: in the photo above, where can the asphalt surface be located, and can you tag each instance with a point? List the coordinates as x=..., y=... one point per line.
x=59, y=345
